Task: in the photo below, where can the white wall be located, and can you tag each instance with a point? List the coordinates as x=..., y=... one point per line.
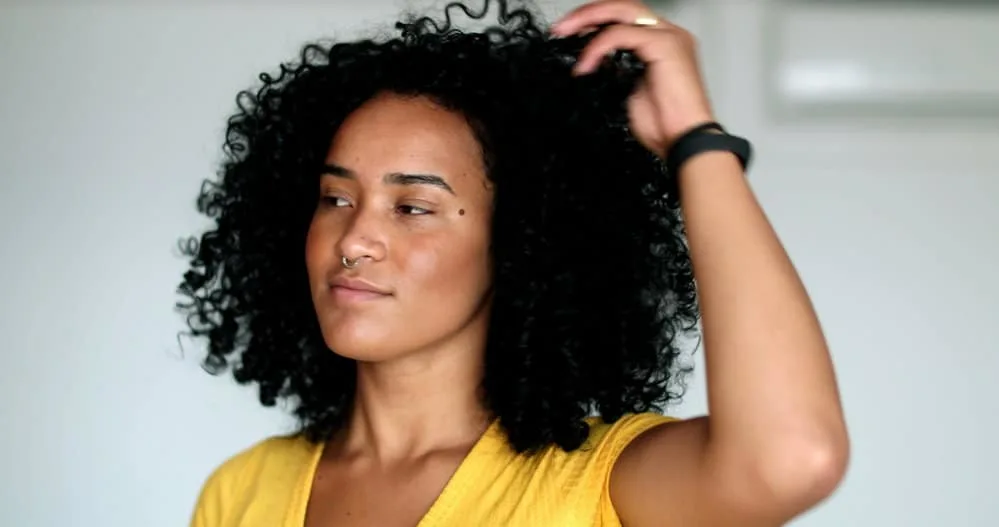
x=892, y=221
x=110, y=116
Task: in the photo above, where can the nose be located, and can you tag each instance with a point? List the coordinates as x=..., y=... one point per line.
x=364, y=236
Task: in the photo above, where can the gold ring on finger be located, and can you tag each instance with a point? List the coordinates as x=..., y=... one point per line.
x=648, y=21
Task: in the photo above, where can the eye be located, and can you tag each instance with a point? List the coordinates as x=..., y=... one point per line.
x=334, y=201
x=412, y=210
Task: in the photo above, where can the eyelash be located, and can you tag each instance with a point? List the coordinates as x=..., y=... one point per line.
x=422, y=211
x=333, y=201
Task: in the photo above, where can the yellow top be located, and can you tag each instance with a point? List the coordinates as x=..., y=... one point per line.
x=269, y=484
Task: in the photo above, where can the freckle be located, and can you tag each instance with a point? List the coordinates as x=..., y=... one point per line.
x=461, y=212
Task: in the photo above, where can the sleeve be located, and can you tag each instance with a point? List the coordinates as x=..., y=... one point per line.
x=610, y=440
x=221, y=490
x=210, y=504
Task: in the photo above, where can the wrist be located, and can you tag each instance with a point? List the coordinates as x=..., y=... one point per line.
x=690, y=123
x=705, y=138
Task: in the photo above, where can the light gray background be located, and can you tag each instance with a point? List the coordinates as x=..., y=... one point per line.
x=111, y=114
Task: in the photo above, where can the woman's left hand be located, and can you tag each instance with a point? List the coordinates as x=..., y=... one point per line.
x=671, y=98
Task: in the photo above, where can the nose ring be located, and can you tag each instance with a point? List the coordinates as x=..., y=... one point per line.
x=348, y=263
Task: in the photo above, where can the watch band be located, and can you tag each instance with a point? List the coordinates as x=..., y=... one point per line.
x=702, y=139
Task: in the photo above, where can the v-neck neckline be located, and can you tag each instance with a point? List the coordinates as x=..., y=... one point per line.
x=441, y=508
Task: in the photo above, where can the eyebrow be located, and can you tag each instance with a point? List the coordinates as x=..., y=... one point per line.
x=393, y=178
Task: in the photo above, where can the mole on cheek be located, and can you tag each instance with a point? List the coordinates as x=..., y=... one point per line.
x=461, y=212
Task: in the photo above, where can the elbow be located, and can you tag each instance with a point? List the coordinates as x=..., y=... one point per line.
x=790, y=478
x=798, y=476
x=809, y=473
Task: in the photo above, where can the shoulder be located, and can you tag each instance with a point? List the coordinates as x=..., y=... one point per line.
x=271, y=457
x=610, y=437
x=585, y=473
x=595, y=458
x=600, y=453
x=265, y=468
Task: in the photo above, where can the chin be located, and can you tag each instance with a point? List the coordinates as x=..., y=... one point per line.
x=364, y=353
x=354, y=341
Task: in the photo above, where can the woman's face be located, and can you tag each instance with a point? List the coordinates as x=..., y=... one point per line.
x=405, y=194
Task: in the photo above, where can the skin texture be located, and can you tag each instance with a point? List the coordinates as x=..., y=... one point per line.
x=412, y=241
x=420, y=347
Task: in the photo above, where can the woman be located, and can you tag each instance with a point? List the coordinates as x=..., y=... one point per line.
x=495, y=229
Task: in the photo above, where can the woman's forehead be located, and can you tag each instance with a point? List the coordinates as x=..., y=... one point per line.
x=407, y=136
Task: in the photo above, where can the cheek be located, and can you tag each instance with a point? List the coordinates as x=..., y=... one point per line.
x=318, y=246
x=427, y=263
x=451, y=267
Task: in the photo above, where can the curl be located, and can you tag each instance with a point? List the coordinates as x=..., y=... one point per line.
x=593, y=283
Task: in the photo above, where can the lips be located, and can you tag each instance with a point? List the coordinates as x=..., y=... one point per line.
x=353, y=289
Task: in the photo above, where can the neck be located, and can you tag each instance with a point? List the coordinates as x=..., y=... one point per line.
x=422, y=402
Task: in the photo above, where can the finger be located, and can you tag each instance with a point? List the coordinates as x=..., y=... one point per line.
x=600, y=13
x=646, y=42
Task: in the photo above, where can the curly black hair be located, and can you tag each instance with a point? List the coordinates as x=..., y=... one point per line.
x=593, y=286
